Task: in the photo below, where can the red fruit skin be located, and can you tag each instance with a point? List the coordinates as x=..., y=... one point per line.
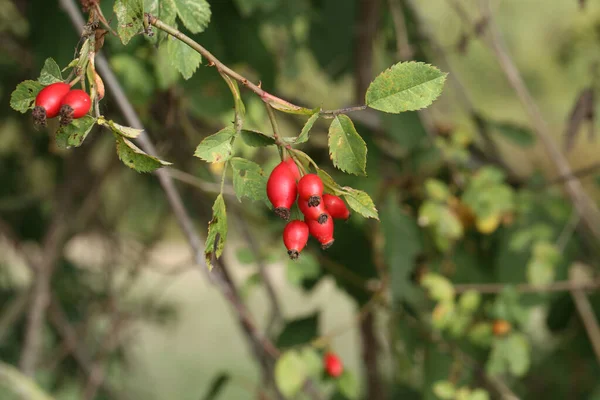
x=333, y=365
x=295, y=236
x=336, y=207
x=79, y=101
x=294, y=168
x=50, y=98
x=281, y=190
x=322, y=232
x=318, y=213
x=310, y=188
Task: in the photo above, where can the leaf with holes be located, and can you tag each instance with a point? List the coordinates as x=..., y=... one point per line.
x=303, y=137
x=50, y=73
x=135, y=158
x=23, y=97
x=248, y=179
x=360, y=202
x=130, y=16
x=217, y=147
x=195, y=14
x=256, y=138
x=347, y=149
x=185, y=59
x=406, y=86
x=217, y=232
x=75, y=133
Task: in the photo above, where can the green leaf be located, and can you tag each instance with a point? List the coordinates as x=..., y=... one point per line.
x=305, y=268
x=515, y=133
x=469, y=301
x=439, y=287
x=289, y=108
x=22, y=98
x=126, y=131
x=348, y=385
x=217, y=147
x=130, y=17
x=19, y=384
x=313, y=361
x=509, y=354
x=165, y=11
x=256, y=138
x=75, y=133
x=195, y=14
x=135, y=158
x=303, y=137
x=360, y=202
x=185, y=59
x=299, y=331
x=347, y=149
x=406, y=86
x=479, y=394
x=481, y=334
x=217, y=385
x=437, y=190
x=248, y=179
x=444, y=390
x=50, y=73
x=217, y=232
x=290, y=373
x=329, y=184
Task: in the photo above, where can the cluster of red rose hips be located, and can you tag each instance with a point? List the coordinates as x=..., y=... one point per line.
x=284, y=186
x=58, y=99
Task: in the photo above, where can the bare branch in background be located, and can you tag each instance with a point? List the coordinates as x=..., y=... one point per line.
x=560, y=286
x=578, y=274
x=12, y=311
x=583, y=111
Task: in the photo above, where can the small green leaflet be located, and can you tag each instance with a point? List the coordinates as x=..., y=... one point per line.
x=75, y=133
x=509, y=354
x=22, y=98
x=165, y=11
x=185, y=59
x=290, y=373
x=248, y=179
x=360, y=202
x=329, y=183
x=217, y=147
x=195, y=14
x=50, y=73
x=256, y=138
x=217, y=232
x=406, y=86
x=348, y=385
x=126, y=131
x=303, y=137
x=347, y=149
x=135, y=158
x=289, y=108
x=130, y=15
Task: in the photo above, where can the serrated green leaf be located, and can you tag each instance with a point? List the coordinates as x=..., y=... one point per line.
x=164, y=10
x=290, y=373
x=289, y=108
x=348, y=385
x=185, y=59
x=126, y=131
x=248, y=179
x=360, y=202
x=347, y=149
x=217, y=147
x=299, y=331
x=130, y=17
x=406, y=86
x=303, y=137
x=22, y=98
x=195, y=14
x=256, y=138
x=444, y=390
x=217, y=232
x=329, y=184
x=75, y=133
x=135, y=158
x=50, y=73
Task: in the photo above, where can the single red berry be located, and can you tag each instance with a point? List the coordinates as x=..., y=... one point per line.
x=48, y=101
x=295, y=236
x=281, y=190
x=333, y=365
x=336, y=207
x=74, y=105
x=310, y=188
x=322, y=232
x=318, y=213
x=294, y=168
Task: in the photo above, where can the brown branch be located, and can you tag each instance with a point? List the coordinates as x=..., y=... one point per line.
x=560, y=286
x=404, y=50
x=577, y=274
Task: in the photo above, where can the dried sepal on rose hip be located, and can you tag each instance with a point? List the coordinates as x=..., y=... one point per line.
x=48, y=102
x=333, y=365
x=322, y=232
x=295, y=237
x=336, y=207
x=74, y=105
x=318, y=213
x=310, y=188
x=281, y=190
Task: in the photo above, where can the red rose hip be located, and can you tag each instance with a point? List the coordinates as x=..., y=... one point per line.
x=281, y=190
x=293, y=167
x=318, y=213
x=74, y=105
x=310, y=188
x=336, y=207
x=295, y=236
x=48, y=101
x=333, y=365
x=322, y=232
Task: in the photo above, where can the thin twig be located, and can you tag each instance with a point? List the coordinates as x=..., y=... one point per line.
x=559, y=286
x=12, y=312
x=577, y=274
x=209, y=187
x=404, y=50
